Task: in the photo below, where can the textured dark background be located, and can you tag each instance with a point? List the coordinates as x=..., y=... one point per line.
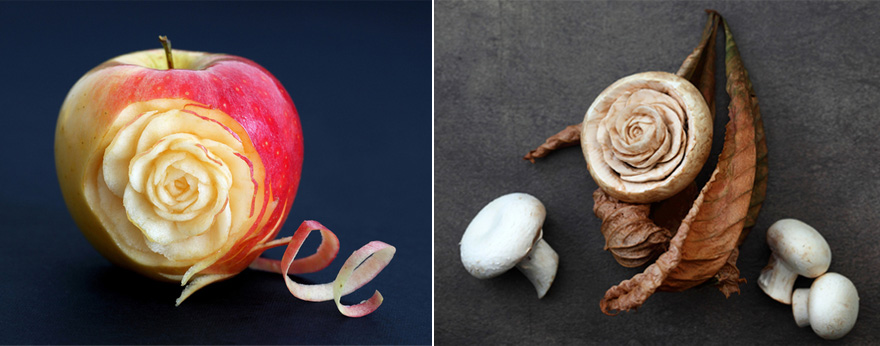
x=509, y=74
x=360, y=76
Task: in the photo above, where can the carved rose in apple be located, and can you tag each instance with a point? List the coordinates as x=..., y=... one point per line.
x=187, y=174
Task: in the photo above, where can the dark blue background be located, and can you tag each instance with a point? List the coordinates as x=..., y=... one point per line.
x=360, y=76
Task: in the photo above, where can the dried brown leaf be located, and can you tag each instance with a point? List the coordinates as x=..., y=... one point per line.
x=630, y=235
x=699, y=66
x=728, y=277
x=636, y=234
x=708, y=236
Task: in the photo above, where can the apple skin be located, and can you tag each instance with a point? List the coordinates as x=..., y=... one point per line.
x=237, y=86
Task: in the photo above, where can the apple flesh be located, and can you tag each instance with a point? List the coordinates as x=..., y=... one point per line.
x=157, y=165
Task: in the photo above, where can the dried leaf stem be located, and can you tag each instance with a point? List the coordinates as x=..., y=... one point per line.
x=570, y=136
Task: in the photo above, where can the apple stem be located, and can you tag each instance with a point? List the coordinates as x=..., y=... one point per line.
x=166, y=43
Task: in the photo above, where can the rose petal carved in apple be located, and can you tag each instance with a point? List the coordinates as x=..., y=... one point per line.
x=187, y=174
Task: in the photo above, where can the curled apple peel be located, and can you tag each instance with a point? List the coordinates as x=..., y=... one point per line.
x=188, y=174
x=361, y=267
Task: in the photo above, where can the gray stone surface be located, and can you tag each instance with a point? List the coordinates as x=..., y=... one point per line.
x=509, y=74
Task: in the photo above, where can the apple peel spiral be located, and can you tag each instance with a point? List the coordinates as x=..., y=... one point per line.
x=188, y=174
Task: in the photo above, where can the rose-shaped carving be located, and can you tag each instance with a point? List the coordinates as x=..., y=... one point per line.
x=183, y=180
x=177, y=186
x=647, y=136
x=643, y=132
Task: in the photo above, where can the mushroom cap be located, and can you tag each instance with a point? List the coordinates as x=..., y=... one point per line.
x=502, y=234
x=800, y=246
x=833, y=306
x=697, y=124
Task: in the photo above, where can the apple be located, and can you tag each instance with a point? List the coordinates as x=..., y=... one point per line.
x=183, y=166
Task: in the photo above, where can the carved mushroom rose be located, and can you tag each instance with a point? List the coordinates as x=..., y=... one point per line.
x=646, y=136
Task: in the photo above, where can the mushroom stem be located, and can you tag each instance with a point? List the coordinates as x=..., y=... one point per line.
x=540, y=266
x=800, y=301
x=777, y=280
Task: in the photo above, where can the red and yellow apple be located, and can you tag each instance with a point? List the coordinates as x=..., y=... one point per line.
x=182, y=174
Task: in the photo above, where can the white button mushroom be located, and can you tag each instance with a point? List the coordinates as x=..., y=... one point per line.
x=506, y=233
x=830, y=306
x=798, y=249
